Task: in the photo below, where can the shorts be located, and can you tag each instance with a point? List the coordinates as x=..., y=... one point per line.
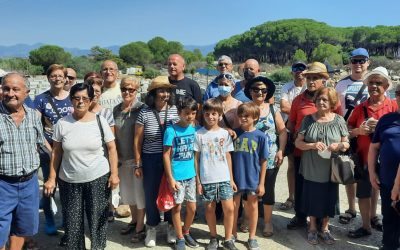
x=187, y=191
x=217, y=191
x=19, y=208
x=364, y=187
x=245, y=193
x=131, y=187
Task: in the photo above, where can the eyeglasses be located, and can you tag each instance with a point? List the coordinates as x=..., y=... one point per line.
x=223, y=64
x=358, y=61
x=397, y=93
x=226, y=76
x=71, y=77
x=56, y=76
x=256, y=90
x=131, y=91
x=83, y=98
x=109, y=69
x=298, y=68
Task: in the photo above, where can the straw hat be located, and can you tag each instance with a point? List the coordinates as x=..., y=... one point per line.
x=317, y=68
x=381, y=71
x=160, y=82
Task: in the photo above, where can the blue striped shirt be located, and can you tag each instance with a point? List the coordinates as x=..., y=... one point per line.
x=19, y=145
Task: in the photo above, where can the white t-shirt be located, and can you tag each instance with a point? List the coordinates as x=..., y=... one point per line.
x=347, y=90
x=83, y=159
x=289, y=91
x=213, y=146
x=111, y=97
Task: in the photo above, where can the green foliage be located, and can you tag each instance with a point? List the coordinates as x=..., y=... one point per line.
x=174, y=47
x=210, y=58
x=21, y=65
x=48, y=55
x=101, y=54
x=327, y=52
x=281, y=75
x=83, y=65
x=299, y=55
x=376, y=61
x=159, y=47
x=151, y=73
x=136, y=53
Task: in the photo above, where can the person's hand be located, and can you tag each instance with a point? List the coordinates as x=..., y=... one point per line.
x=373, y=178
x=279, y=158
x=334, y=147
x=234, y=187
x=396, y=193
x=364, y=129
x=260, y=191
x=320, y=146
x=138, y=172
x=371, y=122
x=199, y=189
x=173, y=185
x=232, y=133
x=113, y=181
x=49, y=187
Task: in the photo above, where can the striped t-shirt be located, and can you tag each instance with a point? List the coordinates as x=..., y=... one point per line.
x=152, y=138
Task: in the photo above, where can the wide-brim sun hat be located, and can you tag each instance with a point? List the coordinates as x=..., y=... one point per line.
x=317, y=68
x=160, y=82
x=381, y=71
x=270, y=86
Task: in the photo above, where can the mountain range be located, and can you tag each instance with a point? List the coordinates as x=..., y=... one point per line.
x=22, y=50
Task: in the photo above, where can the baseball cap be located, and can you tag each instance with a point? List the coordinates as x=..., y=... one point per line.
x=359, y=52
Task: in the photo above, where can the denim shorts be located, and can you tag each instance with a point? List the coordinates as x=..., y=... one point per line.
x=217, y=191
x=187, y=191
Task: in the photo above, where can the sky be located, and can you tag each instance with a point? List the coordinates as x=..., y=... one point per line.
x=87, y=23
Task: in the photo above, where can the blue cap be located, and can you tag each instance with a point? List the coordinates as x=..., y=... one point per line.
x=359, y=52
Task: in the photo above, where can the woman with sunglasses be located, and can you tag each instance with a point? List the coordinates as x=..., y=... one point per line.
x=86, y=175
x=362, y=123
x=131, y=186
x=260, y=90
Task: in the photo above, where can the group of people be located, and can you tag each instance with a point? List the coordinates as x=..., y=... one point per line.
x=95, y=141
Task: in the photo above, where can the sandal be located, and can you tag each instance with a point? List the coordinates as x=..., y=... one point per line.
x=361, y=232
x=268, y=230
x=376, y=223
x=128, y=229
x=347, y=216
x=312, y=237
x=327, y=237
x=288, y=204
x=138, y=236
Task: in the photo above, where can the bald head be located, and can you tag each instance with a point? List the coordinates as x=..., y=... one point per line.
x=176, y=66
x=251, y=69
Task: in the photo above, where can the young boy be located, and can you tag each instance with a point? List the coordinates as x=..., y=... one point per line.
x=249, y=166
x=214, y=171
x=180, y=171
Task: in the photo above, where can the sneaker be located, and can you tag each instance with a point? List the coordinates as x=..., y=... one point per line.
x=252, y=244
x=190, y=242
x=213, y=244
x=151, y=236
x=229, y=245
x=171, y=235
x=180, y=244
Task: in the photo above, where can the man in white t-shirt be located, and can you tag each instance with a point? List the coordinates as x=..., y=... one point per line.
x=288, y=92
x=348, y=89
x=111, y=95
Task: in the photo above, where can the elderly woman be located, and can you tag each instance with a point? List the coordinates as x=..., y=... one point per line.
x=386, y=145
x=131, y=186
x=148, y=145
x=260, y=90
x=53, y=104
x=362, y=122
x=226, y=84
x=321, y=132
x=86, y=176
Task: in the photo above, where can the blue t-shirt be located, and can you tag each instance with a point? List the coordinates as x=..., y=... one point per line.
x=49, y=116
x=238, y=93
x=28, y=102
x=182, y=142
x=250, y=149
x=387, y=133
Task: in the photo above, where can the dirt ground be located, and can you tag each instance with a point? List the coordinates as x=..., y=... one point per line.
x=282, y=238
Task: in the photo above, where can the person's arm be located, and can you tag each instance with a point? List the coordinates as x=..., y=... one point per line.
x=229, y=161
x=302, y=145
x=343, y=145
x=173, y=185
x=261, y=188
x=55, y=161
x=113, y=180
x=285, y=106
x=280, y=125
x=372, y=156
x=138, y=141
x=396, y=186
x=197, y=167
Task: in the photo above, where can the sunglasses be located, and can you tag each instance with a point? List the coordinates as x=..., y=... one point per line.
x=71, y=77
x=83, y=98
x=397, y=93
x=298, y=68
x=358, y=61
x=131, y=91
x=226, y=76
x=256, y=90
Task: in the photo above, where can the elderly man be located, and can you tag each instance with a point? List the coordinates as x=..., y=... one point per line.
x=352, y=92
x=251, y=69
x=19, y=159
x=289, y=91
x=70, y=80
x=184, y=85
x=224, y=66
x=111, y=95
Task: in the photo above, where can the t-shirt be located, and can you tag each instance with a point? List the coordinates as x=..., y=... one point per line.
x=187, y=87
x=313, y=167
x=238, y=93
x=111, y=97
x=125, y=130
x=49, y=116
x=182, y=141
x=152, y=138
x=347, y=89
x=387, y=133
x=357, y=117
x=250, y=149
x=108, y=114
x=213, y=146
x=288, y=92
x=28, y=102
x=83, y=158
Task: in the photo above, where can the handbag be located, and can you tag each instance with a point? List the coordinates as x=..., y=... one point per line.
x=342, y=169
x=165, y=199
x=103, y=142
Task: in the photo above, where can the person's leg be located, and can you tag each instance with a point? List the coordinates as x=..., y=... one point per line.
x=298, y=189
x=228, y=207
x=50, y=227
x=190, y=211
x=211, y=218
x=268, y=214
x=313, y=223
x=252, y=214
x=236, y=204
x=133, y=209
x=365, y=211
x=16, y=242
x=351, y=196
x=374, y=202
x=176, y=219
x=96, y=195
x=290, y=176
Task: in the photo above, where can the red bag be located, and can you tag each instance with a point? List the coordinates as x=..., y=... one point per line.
x=165, y=200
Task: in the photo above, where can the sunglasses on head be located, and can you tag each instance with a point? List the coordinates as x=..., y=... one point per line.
x=358, y=61
x=298, y=68
x=256, y=90
x=131, y=91
x=226, y=76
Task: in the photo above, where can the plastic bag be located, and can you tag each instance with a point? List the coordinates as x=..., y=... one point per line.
x=165, y=199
